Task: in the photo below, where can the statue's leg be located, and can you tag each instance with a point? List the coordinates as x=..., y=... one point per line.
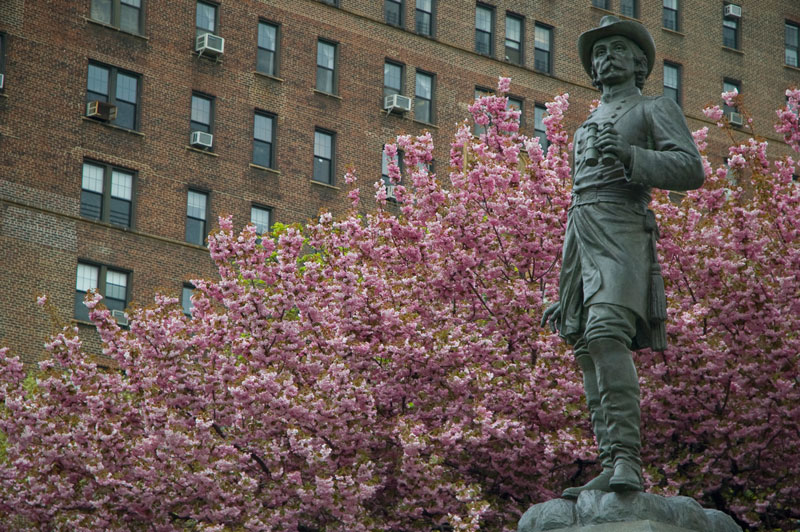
x=608, y=331
x=600, y=482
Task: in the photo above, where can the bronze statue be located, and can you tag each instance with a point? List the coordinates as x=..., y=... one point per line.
x=611, y=294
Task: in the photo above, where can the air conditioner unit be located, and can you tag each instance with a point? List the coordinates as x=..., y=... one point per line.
x=397, y=102
x=119, y=315
x=733, y=11
x=390, y=192
x=101, y=111
x=201, y=139
x=209, y=43
x=735, y=119
x=2, y=78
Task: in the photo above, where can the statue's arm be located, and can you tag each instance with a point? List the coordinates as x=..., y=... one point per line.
x=673, y=163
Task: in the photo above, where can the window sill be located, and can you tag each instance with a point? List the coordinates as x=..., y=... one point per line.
x=112, y=126
x=733, y=50
x=265, y=169
x=114, y=28
x=104, y=223
x=268, y=76
x=673, y=32
x=602, y=10
x=426, y=124
x=323, y=93
x=326, y=185
x=792, y=68
x=198, y=150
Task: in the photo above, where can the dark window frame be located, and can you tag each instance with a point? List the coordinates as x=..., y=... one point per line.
x=674, y=16
x=115, y=15
x=106, y=196
x=204, y=231
x=541, y=133
x=186, y=303
x=275, y=53
x=211, y=114
x=271, y=142
x=491, y=32
x=726, y=30
x=550, y=55
x=400, y=5
x=795, y=46
x=521, y=43
x=111, y=95
x=679, y=80
x=198, y=31
x=80, y=312
x=334, y=71
x=431, y=101
x=634, y=4
x=418, y=13
x=331, y=160
x=265, y=208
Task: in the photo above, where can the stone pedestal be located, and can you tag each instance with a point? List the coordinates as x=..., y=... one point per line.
x=599, y=511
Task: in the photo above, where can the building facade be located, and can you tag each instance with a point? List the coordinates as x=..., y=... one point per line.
x=128, y=126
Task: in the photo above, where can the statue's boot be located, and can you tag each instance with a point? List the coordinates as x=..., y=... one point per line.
x=618, y=385
x=600, y=482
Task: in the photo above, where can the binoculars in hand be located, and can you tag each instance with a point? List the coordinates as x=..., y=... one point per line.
x=593, y=155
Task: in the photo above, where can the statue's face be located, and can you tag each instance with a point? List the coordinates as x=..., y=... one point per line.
x=614, y=59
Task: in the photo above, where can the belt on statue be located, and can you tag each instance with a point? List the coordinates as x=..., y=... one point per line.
x=611, y=195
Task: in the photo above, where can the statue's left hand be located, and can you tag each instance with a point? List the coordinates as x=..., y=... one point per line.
x=610, y=141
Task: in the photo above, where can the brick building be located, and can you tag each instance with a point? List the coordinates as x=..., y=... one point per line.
x=120, y=143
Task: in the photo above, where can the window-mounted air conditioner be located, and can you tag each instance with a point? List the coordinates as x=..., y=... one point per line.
x=2, y=79
x=101, y=111
x=201, y=139
x=397, y=102
x=733, y=11
x=735, y=119
x=210, y=44
x=119, y=315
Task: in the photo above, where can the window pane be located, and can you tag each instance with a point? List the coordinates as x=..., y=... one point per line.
x=322, y=145
x=86, y=278
x=392, y=12
x=92, y=178
x=513, y=29
x=120, y=212
x=671, y=4
x=121, y=185
x=422, y=110
x=126, y=88
x=262, y=153
x=101, y=11
x=322, y=170
x=186, y=299
x=196, y=205
x=266, y=62
x=423, y=22
x=195, y=231
x=267, y=36
x=670, y=19
x=126, y=115
x=98, y=80
x=116, y=285
x=324, y=80
x=263, y=128
x=206, y=17
x=132, y=3
x=91, y=205
x=392, y=78
x=628, y=8
x=129, y=18
x=425, y=5
x=483, y=19
x=424, y=86
x=543, y=38
x=670, y=76
x=792, y=57
x=260, y=217
x=326, y=54
x=201, y=110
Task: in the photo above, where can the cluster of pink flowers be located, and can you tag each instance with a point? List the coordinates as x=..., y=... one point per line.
x=387, y=370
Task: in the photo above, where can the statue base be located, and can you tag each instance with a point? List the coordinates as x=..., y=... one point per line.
x=600, y=511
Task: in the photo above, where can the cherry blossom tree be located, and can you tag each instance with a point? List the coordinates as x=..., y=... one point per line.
x=387, y=371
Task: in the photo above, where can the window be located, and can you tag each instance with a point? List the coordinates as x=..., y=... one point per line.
x=323, y=156
x=539, y=129
x=729, y=85
x=206, y=19
x=629, y=8
x=672, y=81
x=669, y=16
x=106, y=193
x=393, y=74
x=397, y=159
x=267, y=60
x=792, y=44
x=196, y=206
x=602, y=4
x=326, y=67
x=424, y=17
x=202, y=113
x=123, y=14
x=334, y=3
x=516, y=103
x=480, y=92
x=514, y=32
x=117, y=87
x=263, y=140
x=393, y=12
x=111, y=284
x=260, y=217
x=186, y=299
x=2, y=55
x=543, y=49
x=484, y=29
x=730, y=31
x=423, y=98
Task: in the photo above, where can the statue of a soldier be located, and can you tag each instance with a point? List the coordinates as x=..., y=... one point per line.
x=611, y=293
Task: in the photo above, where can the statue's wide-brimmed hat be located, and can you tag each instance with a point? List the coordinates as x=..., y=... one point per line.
x=611, y=25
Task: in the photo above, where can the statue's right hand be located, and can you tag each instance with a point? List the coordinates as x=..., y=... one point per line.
x=552, y=315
